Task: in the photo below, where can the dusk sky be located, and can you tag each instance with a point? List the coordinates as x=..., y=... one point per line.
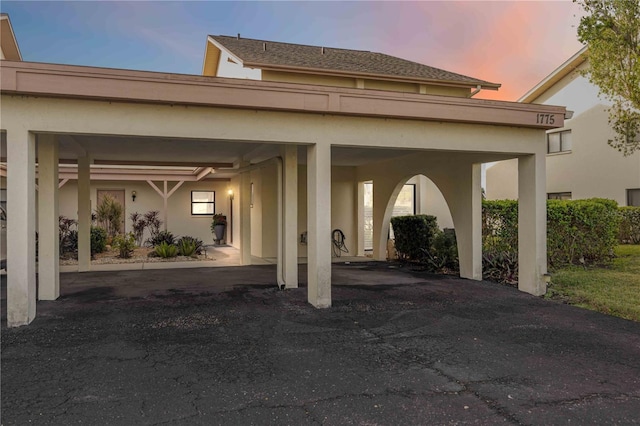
x=515, y=43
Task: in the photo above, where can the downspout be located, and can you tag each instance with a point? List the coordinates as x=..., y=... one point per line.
x=280, y=201
x=475, y=92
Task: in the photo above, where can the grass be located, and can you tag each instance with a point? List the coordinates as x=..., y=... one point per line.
x=612, y=290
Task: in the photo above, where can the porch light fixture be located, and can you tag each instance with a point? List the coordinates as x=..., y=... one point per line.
x=134, y=194
x=230, y=192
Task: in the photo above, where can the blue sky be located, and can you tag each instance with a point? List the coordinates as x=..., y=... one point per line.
x=515, y=43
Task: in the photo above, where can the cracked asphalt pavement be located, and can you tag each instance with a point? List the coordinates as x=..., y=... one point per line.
x=398, y=347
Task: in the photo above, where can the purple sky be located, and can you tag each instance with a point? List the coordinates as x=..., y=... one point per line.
x=516, y=43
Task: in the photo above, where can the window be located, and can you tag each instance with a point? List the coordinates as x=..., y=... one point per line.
x=405, y=205
x=203, y=202
x=559, y=196
x=633, y=197
x=559, y=142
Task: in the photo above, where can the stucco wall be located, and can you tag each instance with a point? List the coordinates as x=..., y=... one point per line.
x=323, y=80
x=180, y=221
x=227, y=67
x=429, y=200
x=502, y=180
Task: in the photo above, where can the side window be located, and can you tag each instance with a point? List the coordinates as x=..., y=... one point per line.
x=559, y=196
x=633, y=197
x=203, y=202
x=559, y=142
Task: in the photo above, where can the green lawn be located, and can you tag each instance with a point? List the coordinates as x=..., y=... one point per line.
x=613, y=290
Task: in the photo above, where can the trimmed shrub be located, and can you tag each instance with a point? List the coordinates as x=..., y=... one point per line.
x=629, y=232
x=500, y=226
x=125, y=244
x=578, y=231
x=414, y=235
x=581, y=231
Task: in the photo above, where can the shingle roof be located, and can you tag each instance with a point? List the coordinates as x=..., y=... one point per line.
x=266, y=54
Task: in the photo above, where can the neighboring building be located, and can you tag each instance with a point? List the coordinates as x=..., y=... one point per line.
x=580, y=163
x=296, y=139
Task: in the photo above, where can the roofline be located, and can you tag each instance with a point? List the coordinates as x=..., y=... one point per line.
x=336, y=73
x=558, y=74
x=13, y=40
x=103, y=84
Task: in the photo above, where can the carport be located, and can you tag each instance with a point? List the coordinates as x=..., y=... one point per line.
x=58, y=112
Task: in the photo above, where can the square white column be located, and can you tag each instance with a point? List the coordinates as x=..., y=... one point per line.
x=532, y=224
x=468, y=222
x=21, y=227
x=84, y=214
x=48, y=227
x=319, y=224
x=245, y=218
x=290, y=225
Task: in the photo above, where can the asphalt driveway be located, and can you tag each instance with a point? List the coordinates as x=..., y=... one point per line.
x=224, y=346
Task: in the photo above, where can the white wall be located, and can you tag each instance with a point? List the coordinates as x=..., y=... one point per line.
x=226, y=68
x=180, y=220
x=429, y=200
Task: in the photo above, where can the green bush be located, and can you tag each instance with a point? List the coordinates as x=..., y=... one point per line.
x=125, y=244
x=166, y=250
x=98, y=240
x=443, y=255
x=189, y=246
x=581, y=231
x=629, y=225
x=414, y=235
x=500, y=226
x=161, y=237
x=578, y=231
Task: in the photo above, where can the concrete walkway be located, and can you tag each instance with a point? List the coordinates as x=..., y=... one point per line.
x=224, y=346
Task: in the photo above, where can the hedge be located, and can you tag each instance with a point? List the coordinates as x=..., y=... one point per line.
x=578, y=231
x=629, y=225
x=413, y=235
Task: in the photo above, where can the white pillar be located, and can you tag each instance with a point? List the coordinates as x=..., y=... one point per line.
x=360, y=218
x=319, y=224
x=245, y=218
x=290, y=228
x=21, y=228
x=385, y=193
x=532, y=224
x=48, y=227
x=467, y=218
x=84, y=214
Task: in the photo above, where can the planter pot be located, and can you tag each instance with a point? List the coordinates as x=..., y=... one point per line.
x=218, y=230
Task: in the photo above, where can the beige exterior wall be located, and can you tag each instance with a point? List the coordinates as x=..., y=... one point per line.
x=180, y=220
x=302, y=78
x=591, y=169
x=502, y=180
x=429, y=200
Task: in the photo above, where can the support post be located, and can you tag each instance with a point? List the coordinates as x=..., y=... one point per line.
x=245, y=218
x=532, y=224
x=360, y=218
x=21, y=227
x=48, y=227
x=84, y=214
x=319, y=224
x=290, y=231
x=469, y=225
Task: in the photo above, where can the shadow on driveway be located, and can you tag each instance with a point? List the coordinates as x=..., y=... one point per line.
x=225, y=346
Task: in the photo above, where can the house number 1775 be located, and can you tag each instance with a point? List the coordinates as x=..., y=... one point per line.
x=545, y=119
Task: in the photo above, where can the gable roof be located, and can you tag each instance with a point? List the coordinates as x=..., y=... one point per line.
x=345, y=62
x=558, y=74
x=8, y=39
